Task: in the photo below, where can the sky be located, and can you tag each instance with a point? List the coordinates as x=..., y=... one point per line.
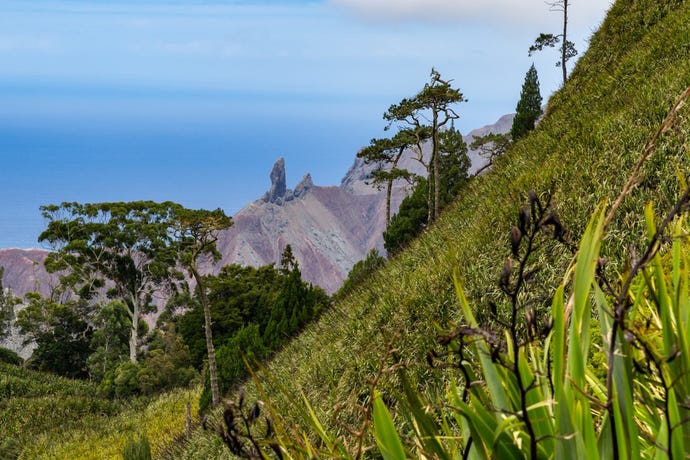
x=194, y=100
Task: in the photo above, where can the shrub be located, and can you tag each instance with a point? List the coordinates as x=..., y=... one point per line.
x=121, y=382
x=10, y=357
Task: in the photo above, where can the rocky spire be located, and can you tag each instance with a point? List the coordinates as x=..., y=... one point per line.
x=278, y=187
x=304, y=185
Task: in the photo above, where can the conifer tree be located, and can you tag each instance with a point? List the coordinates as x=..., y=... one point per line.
x=528, y=108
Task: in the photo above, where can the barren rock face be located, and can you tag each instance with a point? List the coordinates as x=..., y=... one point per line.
x=24, y=271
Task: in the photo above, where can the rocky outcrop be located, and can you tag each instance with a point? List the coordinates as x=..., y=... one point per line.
x=303, y=186
x=278, y=189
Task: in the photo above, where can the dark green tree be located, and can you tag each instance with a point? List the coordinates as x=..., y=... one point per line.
x=238, y=296
x=168, y=363
x=528, y=108
x=297, y=303
x=247, y=344
x=411, y=219
x=413, y=215
x=454, y=164
x=122, y=247
x=110, y=339
x=567, y=47
x=430, y=109
x=62, y=334
x=196, y=233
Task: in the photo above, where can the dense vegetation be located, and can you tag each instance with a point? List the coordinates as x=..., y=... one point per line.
x=254, y=311
x=390, y=366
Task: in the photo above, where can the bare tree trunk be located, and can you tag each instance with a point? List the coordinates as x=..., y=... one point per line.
x=134, y=331
x=430, y=192
x=564, y=48
x=212, y=369
x=436, y=167
x=389, y=190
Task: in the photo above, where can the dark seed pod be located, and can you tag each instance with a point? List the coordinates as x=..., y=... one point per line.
x=524, y=219
x=506, y=272
x=229, y=418
x=430, y=359
x=493, y=309
x=254, y=413
x=515, y=238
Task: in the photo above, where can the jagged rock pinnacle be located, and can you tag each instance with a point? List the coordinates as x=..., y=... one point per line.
x=278, y=187
x=304, y=185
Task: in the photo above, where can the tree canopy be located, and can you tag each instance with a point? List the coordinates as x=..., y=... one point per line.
x=124, y=248
x=431, y=109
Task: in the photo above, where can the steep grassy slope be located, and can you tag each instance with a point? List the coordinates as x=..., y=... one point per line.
x=594, y=132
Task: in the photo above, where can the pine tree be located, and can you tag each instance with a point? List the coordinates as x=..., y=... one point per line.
x=528, y=108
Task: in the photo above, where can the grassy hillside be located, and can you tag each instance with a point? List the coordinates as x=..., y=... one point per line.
x=45, y=416
x=582, y=154
x=594, y=132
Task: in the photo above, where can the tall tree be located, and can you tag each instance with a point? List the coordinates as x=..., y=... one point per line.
x=122, y=247
x=196, y=233
x=430, y=108
x=567, y=48
x=386, y=153
x=413, y=214
x=528, y=108
x=454, y=164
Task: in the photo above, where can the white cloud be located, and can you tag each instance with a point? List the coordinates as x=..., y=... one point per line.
x=514, y=12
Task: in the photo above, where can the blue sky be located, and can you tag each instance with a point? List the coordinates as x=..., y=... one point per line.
x=193, y=101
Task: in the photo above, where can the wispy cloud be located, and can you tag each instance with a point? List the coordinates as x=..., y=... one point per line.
x=523, y=12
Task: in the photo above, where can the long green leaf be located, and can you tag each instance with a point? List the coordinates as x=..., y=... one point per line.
x=491, y=376
x=387, y=438
x=426, y=428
